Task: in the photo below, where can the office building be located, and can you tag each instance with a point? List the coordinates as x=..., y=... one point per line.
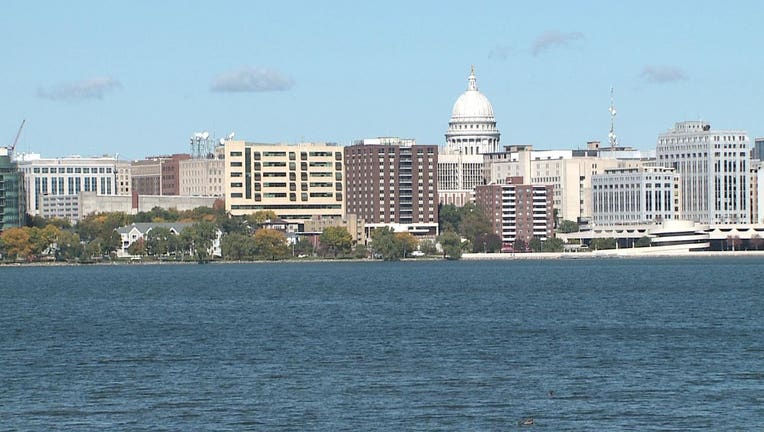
x=714, y=167
x=12, y=208
x=635, y=195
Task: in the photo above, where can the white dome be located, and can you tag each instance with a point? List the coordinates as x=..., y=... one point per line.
x=472, y=104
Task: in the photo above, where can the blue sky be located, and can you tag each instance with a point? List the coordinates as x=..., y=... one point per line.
x=140, y=77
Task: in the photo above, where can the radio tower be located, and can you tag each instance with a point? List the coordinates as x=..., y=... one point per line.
x=611, y=136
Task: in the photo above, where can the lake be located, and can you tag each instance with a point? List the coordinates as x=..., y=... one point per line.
x=610, y=344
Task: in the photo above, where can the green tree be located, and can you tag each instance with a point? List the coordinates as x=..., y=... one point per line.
x=519, y=245
x=603, y=243
x=643, y=242
x=535, y=244
x=451, y=243
x=385, y=244
x=158, y=241
x=449, y=218
x=567, y=226
x=198, y=238
x=428, y=247
x=487, y=243
x=258, y=218
x=335, y=240
x=360, y=251
x=236, y=246
x=553, y=244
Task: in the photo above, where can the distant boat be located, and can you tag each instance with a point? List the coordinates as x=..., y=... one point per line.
x=526, y=422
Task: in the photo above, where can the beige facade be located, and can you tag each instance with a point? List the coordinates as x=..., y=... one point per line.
x=297, y=182
x=124, y=178
x=351, y=222
x=202, y=177
x=569, y=173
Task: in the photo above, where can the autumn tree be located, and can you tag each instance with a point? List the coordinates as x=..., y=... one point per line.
x=407, y=243
x=335, y=240
x=16, y=243
x=270, y=244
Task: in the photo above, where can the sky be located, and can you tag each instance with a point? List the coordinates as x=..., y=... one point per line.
x=139, y=78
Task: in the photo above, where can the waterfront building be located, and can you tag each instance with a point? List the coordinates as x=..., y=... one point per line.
x=137, y=231
x=313, y=227
x=393, y=181
x=12, y=208
x=63, y=178
x=296, y=182
x=203, y=176
x=757, y=191
x=757, y=152
x=124, y=179
x=90, y=202
x=518, y=211
x=714, y=169
x=570, y=172
x=635, y=195
x=157, y=175
x=471, y=133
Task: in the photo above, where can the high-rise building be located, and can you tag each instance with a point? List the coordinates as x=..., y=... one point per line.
x=393, y=181
x=570, y=172
x=518, y=211
x=471, y=133
x=714, y=170
x=296, y=182
x=757, y=152
x=635, y=195
x=61, y=179
x=12, y=207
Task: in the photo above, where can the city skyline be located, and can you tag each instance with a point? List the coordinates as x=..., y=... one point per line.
x=140, y=79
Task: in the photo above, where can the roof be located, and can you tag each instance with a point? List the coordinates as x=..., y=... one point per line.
x=144, y=227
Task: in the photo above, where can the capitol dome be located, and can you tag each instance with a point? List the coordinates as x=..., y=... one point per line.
x=472, y=129
x=472, y=104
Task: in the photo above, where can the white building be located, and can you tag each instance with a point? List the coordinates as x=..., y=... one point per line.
x=471, y=133
x=136, y=231
x=635, y=195
x=66, y=176
x=714, y=167
x=569, y=171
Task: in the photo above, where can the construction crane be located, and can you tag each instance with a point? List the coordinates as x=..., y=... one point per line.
x=16, y=140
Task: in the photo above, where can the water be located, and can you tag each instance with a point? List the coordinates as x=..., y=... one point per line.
x=638, y=344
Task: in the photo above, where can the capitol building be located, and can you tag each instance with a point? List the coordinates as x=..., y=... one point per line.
x=471, y=133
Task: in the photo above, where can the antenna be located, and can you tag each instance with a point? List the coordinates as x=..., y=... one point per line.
x=612, y=138
x=16, y=140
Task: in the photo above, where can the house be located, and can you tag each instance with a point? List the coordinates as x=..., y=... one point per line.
x=133, y=232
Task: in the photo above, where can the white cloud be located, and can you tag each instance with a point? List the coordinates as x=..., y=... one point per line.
x=662, y=74
x=251, y=79
x=553, y=39
x=92, y=88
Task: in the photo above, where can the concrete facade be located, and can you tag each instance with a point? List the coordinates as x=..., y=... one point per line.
x=297, y=182
x=636, y=195
x=714, y=167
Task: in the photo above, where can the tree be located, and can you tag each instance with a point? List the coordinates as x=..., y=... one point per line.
x=756, y=241
x=603, y=243
x=519, y=245
x=270, y=244
x=111, y=242
x=553, y=244
x=336, y=239
x=303, y=247
x=385, y=244
x=487, y=243
x=644, y=241
x=451, y=243
x=567, y=226
x=428, y=247
x=733, y=242
x=449, y=218
x=16, y=243
x=198, y=238
x=158, y=241
x=407, y=243
x=535, y=244
x=259, y=217
x=236, y=246
x=360, y=251
x=138, y=247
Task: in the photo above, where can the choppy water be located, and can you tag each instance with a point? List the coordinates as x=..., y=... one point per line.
x=622, y=344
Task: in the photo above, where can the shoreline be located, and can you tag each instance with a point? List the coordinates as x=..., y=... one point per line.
x=604, y=254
